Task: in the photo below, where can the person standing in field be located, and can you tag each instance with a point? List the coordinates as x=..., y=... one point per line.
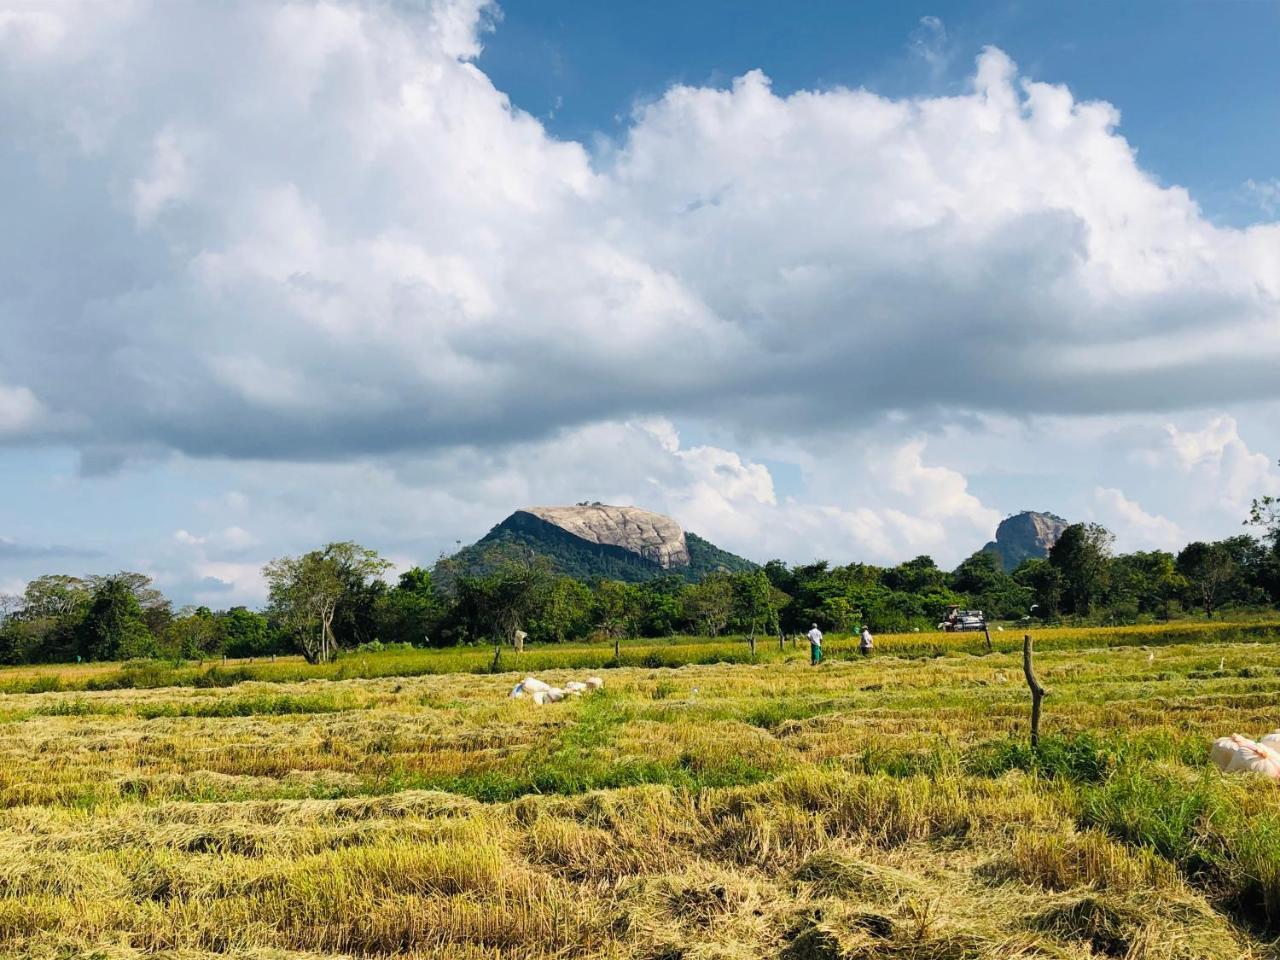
x=864, y=644
x=815, y=645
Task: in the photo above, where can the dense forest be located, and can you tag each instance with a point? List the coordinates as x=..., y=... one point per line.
x=337, y=598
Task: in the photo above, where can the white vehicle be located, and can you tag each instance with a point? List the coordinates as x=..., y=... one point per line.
x=961, y=621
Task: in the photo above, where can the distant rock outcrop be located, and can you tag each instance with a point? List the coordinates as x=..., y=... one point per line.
x=650, y=535
x=592, y=540
x=1025, y=535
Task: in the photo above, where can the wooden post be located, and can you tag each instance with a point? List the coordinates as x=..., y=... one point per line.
x=782, y=639
x=751, y=642
x=617, y=648
x=987, y=630
x=497, y=656
x=1037, y=691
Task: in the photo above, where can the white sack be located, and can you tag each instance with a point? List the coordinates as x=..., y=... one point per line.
x=1223, y=749
x=1250, y=757
x=541, y=692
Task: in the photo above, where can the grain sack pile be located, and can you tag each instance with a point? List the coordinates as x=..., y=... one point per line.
x=540, y=692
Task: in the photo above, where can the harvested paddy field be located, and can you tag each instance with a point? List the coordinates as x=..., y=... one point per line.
x=879, y=808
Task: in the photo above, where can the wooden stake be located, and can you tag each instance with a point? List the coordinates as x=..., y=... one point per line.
x=1037, y=691
x=987, y=631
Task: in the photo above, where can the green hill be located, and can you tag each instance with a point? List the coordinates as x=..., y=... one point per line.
x=525, y=535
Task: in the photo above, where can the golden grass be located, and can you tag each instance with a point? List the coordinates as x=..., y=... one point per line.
x=671, y=652
x=880, y=808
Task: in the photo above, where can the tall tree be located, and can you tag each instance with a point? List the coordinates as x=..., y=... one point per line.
x=780, y=576
x=709, y=604
x=246, y=633
x=56, y=595
x=1148, y=580
x=1209, y=570
x=409, y=612
x=497, y=604
x=113, y=628
x=1255, y=580
x=1081, y=555
x=618, y=608
x=1265, y=513
x=194, y=633
x=10, y=606
x=307, y=592
x=565, y=612
x=156, y=609
x=915, y=576
x=754, y=604
x=1046, y=583
x=979, y=573
x=304, y=593
x=838, y=611
x=44, y=621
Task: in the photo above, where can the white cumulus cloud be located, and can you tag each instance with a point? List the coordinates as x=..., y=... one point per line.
x=20, y=411
x=353, y=243
x=310, y=238
x=1135, y=529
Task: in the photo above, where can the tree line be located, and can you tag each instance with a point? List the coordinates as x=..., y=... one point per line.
x=336, y=598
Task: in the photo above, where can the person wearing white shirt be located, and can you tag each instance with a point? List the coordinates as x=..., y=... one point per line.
x=815, y=645
x=864, y=645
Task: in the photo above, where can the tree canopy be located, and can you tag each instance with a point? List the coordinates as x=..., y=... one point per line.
x=336, y=598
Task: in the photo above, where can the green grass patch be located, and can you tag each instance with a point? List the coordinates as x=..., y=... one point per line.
x=271, y=705
x=581, y=758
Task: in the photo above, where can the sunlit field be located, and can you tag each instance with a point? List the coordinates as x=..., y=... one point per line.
x=672, y=652
x=866, y=808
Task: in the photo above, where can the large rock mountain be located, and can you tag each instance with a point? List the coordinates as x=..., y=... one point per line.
x=596, y=540
x=651, y=535
x=1024, y=536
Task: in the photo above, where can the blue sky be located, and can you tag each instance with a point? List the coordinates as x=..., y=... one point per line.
x=1196, y=81
x=852, y=281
